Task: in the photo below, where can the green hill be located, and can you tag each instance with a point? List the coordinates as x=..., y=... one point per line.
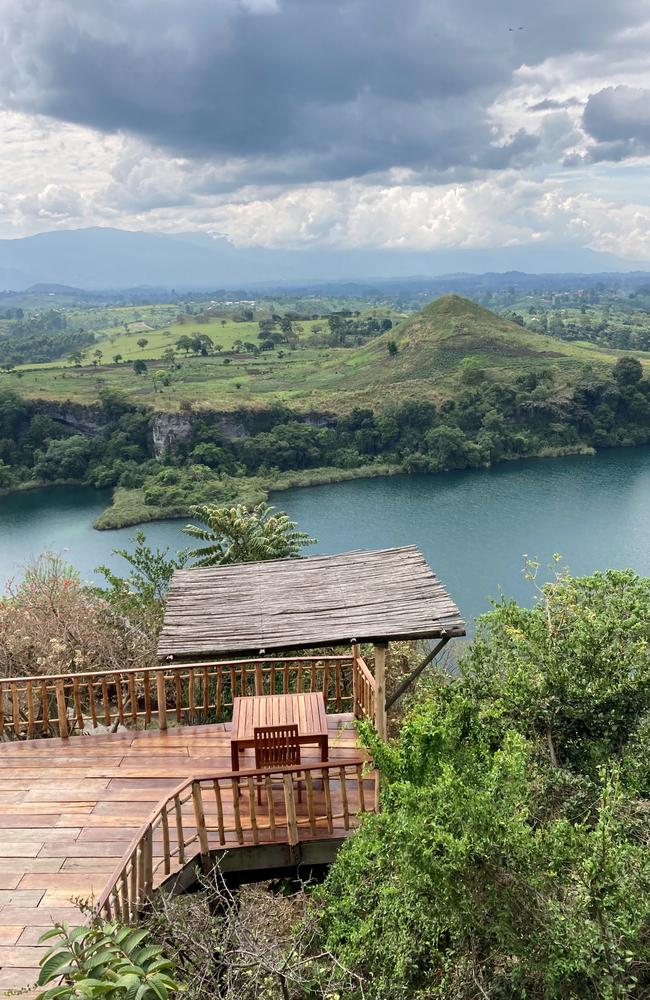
x=435, y=342
x=432, y=349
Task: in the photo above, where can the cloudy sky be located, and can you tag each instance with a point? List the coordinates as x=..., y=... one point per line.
x=383, y=123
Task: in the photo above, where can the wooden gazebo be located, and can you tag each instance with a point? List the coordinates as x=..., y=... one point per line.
x=361, y=596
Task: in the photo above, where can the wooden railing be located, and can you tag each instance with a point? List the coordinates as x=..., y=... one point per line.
x=62, y=704
x=363, y=687
x=206, y=813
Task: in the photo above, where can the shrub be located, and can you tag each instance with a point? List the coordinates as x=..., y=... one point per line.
x=511, y=857
x=50, y=623
x=107, y=961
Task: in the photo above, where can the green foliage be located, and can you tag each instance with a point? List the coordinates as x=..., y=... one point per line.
x=505, y=864
x=573, y=671
x=151, y=571
x=67, y=458
x=628, y=371
x=107, y=961
x=238, y=535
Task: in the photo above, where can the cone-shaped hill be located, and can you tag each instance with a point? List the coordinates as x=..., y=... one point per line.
x=433, y=344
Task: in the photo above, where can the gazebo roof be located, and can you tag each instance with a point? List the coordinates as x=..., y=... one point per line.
x=363, y=596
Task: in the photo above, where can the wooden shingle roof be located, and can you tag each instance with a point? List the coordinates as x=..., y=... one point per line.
x=285, y=604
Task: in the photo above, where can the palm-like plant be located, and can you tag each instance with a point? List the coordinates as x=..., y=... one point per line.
x=236, y=535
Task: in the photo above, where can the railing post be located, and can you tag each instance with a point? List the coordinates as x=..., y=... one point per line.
x=356, y=653
x=290, y=807
x=380, y=689
x=199, y=819
x=61, y=710
x=162, y=698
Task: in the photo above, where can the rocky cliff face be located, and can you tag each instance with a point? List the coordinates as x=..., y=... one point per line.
x=170, y=429
x=89, y=420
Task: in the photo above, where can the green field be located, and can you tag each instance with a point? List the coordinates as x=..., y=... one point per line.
x=432, y=346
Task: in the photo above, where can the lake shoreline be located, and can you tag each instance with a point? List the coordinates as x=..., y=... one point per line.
x=472, y=526
x=129, y=510
x=114, y=517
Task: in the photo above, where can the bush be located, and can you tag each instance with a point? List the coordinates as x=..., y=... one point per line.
x=50, y=623
x=511, y=857
x=107, y=961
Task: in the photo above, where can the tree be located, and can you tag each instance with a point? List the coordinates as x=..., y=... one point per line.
x=200, y=343
x=160, y=377
x=504, y=864
x=628, y=372
x=139, y=366
x=531, y=665
x=392, y=348
x=184, y=343
x=472, y=371
x=67, y=458
x=151, y=570
x=142, y=342
x=117, y=358
x=236, y=535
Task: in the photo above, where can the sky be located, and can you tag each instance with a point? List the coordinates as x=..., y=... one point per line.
x=300, y=123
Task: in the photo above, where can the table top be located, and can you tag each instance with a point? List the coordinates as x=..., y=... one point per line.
x=306, y=710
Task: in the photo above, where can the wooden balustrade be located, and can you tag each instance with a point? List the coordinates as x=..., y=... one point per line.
x=363, y=686
x=62, y=704
x=209, y=812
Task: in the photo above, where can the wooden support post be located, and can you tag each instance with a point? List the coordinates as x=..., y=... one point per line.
x=356, y=653
x=380, y=688
x=62, y=712
x=406, y=683
x=162, y=699
x=199, y=819
x=290, y=808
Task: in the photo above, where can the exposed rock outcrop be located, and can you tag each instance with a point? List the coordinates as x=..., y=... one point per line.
x=169, y=430
x=88, y=420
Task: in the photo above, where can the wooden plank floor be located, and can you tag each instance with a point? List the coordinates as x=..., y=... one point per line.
x=69, y=808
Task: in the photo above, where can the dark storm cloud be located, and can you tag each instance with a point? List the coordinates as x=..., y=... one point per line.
x=618, y=118
x=297, y=89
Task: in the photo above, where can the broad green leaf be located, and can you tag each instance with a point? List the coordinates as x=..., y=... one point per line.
x=52, y=966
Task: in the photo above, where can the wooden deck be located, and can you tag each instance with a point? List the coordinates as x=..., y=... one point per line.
x=70, y=808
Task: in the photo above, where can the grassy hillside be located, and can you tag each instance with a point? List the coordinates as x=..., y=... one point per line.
x=433, y=346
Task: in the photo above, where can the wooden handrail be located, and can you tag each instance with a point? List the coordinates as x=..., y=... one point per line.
x=363, y=686
x=210, y=826
x=60, y=704
x=177, y=665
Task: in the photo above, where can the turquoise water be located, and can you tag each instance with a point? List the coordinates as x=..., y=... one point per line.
x=473, y=527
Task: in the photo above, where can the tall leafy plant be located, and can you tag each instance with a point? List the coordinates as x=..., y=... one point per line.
x=107, y=961
x=236, y=535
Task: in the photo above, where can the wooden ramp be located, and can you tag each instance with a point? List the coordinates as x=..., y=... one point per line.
x=70, y=809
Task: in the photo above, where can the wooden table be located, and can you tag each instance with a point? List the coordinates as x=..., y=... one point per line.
x=306, y=710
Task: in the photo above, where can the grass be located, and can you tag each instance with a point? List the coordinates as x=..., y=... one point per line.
x=432, y=345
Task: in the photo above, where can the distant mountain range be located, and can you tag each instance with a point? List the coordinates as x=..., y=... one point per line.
x=102, y=258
